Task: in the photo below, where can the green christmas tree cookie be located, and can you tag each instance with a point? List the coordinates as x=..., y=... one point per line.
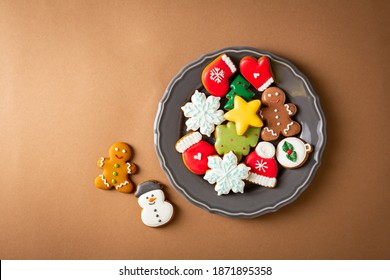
x=239, y=87
x=227, y=140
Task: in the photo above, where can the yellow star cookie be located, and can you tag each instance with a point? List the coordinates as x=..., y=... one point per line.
x=244, y=114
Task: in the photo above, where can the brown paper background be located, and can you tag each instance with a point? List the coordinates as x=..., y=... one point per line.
x=76, y=76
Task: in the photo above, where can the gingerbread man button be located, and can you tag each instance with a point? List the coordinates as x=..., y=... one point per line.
x=277, y=115
x=116, y=169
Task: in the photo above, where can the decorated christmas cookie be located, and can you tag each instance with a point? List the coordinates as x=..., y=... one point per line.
x=227, y=140
x=155, y=210
x=116, y=169
x=244, y=114
x=195, y=152
x=277, y=115
x=221, y=146
x=215, y=76
x=292, y=152
x=257, y=72
x=239, y=87
x=203, y=113
x=226, y=174
x=264, y=168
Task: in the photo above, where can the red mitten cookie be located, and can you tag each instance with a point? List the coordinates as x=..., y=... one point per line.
x=257, y=72
x=195, y=152
x=215, y=77
x=277, y=115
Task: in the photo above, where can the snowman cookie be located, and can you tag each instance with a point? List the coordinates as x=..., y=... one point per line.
x=264, y=167
x=155, y=210
x=277, y=115
x=116, y=169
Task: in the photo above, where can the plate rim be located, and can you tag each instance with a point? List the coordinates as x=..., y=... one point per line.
x=320, y=130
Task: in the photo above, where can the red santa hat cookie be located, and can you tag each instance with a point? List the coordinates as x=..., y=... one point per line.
x=264, y=167
x=215, y=77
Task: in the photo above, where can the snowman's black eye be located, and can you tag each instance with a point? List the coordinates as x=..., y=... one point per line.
x=147, y=197
x=152, y=195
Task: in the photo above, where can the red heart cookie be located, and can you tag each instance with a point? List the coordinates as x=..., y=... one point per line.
x=258, y=73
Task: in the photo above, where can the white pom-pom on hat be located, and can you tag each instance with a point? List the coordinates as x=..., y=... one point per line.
x=265, y=150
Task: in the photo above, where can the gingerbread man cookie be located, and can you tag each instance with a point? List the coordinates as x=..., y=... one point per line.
x=116, y=169
x=277, y=115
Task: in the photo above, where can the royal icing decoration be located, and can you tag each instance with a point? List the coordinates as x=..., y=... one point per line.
x=195, y=152
x=292, y=152
x=235, y=139
x=156, y=211
x=227, y=140
x=116, y=169
x=187, y=141
x=128, y=167
x=215, y=76
x=264, y=168
x=239, y=87
x=226, y=174
x=277, y=115
x=203, y=113
x=257, y=72
x=244, y=114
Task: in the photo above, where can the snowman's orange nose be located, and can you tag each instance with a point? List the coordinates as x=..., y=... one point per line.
x=152, y=199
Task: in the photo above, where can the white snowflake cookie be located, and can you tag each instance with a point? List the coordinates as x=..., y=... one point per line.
x=203, y=113
x=227, y=175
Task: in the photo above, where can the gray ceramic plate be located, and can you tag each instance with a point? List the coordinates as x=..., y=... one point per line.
x=255, y=201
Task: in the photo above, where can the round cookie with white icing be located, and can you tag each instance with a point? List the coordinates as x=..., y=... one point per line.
x=156, y=211
x=195, y=152
x=203, y=113
x=277, y=115
x=116, y=169
x=292, y=152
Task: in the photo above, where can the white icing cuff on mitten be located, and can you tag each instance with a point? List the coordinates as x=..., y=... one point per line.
x=266, y=84
x=261, y=180
x=187, y=141
x=229, y=63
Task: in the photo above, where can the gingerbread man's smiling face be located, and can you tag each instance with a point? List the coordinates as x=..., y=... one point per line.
x=273, y=96
x=120, y=151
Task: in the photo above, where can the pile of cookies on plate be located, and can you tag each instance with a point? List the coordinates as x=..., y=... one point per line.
x=238, y=136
